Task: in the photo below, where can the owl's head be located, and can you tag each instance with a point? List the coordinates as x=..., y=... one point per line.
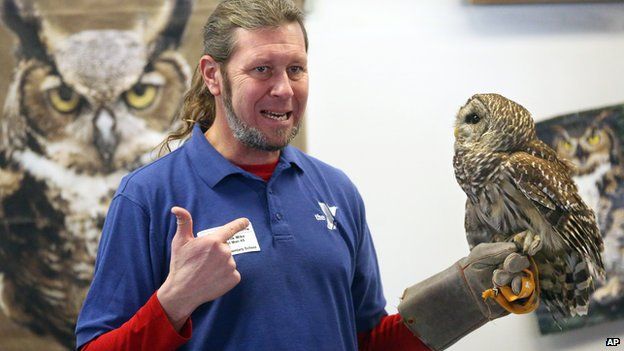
x=494, y=123
x=588, y=147
x=90, y=93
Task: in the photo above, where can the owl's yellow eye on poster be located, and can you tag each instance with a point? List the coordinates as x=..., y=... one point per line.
x=593, y=140
x=566, y=145
x=63, y=99
x=141, y=96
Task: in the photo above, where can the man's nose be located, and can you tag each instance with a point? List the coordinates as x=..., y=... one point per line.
x=282, y=86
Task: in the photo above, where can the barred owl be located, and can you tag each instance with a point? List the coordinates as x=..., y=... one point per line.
x=89, y=102
x=518, y=189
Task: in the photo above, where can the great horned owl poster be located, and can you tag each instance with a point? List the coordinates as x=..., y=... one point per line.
x=92, y=87
x=592, y=142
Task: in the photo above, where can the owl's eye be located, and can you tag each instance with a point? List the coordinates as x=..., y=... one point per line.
x=64, y=99
x=141, y=96
x=472, y=118
x=594, y=139
x=566, y=145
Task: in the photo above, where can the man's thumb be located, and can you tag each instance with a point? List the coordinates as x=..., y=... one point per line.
x=185, y=223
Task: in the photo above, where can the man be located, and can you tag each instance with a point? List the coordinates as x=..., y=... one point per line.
x=305, y=276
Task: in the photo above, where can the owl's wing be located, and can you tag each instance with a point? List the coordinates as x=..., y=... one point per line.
x=477, y=231
x=31, y=251
x=11, y=181
x=541, y=150
x=555, y=196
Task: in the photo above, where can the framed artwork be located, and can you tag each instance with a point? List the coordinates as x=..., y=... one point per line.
x=115, y=65
x=499, y=2
x=592, y=141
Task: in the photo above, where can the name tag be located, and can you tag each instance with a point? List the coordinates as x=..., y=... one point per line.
x=241, y=242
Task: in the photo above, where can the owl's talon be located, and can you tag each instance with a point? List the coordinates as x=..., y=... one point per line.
x=528, y=240
x=519, y=239
x=535, y=246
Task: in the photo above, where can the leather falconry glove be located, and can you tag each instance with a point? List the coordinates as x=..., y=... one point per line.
x=447, y=306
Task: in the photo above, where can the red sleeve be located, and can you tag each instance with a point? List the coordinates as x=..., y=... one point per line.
x=148, y=329
x=390, y=334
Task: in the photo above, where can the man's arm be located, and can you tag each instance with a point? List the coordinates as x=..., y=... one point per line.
x=390, y=334
x=447, y=306
x=148, y=328
x=187, y=285
x=438, y=311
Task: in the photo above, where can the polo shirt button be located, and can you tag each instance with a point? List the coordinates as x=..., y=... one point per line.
x=270, y=192
x=278, y=216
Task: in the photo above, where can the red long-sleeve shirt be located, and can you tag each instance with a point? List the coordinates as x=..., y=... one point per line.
x=150, y=328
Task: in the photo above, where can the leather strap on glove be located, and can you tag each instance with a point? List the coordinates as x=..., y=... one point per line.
x=516, y=289
x=447, y=306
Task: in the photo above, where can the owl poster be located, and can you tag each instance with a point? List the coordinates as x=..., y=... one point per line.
x=591, y=140
x=89, y=90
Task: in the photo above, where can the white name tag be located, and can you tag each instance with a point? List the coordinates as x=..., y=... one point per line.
x=241, y=242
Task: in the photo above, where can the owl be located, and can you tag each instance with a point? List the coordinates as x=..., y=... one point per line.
x=518, y=189
x=594, y=149
x=88, y=103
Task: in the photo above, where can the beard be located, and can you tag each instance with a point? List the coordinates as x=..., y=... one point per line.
x=248, y=135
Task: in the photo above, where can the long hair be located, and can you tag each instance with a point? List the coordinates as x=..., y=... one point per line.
x=218, y=36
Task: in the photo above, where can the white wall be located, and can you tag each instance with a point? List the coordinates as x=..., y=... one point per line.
x=387, y=78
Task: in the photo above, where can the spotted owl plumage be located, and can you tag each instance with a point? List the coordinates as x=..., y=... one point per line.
x=516, y=184
x=88, y=103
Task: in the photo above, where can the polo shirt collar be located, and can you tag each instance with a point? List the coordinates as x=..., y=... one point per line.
x=290, y=157
x=212, y=167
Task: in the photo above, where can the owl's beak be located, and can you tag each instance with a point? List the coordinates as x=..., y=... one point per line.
x=105, y=136
x=581, y=154
x=456, y=132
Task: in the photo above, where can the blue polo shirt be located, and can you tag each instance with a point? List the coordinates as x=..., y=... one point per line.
x=312, y=286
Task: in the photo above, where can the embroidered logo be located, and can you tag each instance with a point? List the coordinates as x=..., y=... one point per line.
x=329, y=215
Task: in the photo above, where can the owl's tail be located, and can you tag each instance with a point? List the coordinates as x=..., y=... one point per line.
x=566, y=285
x=579, y=284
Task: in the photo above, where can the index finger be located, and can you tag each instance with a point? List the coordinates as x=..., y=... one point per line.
x=225, y=232
x=491, y=254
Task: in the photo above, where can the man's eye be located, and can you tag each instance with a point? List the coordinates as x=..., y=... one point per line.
x=295, y=72
x=261, y=69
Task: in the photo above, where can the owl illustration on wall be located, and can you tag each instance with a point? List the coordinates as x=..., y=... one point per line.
x=91, y=97
x=591, y=142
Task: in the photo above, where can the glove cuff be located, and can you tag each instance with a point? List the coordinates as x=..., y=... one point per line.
x=442, y=309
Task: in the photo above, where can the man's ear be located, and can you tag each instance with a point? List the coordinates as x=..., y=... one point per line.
x=211, y=73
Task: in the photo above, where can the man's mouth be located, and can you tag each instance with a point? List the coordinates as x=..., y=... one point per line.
x=278, y=116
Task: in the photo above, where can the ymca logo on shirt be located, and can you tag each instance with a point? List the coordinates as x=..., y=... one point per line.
x=329, y=215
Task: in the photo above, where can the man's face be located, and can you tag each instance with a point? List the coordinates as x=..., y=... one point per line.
x=265, y=86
